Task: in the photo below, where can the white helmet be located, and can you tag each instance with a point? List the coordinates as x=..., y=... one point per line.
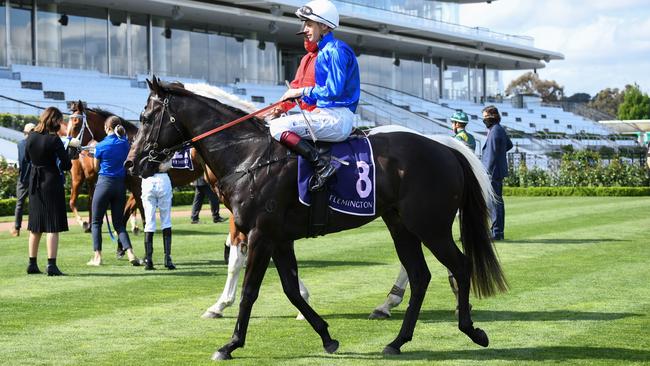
x=320, y=11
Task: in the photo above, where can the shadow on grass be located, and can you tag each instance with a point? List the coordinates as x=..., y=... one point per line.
x=435, y=316
x=552, y=353
x=162, y=271
x=560, y=241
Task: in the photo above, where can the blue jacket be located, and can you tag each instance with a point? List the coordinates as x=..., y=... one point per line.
x=112, y=152
x=337, y=76
x=494, y=152
x=23, y=163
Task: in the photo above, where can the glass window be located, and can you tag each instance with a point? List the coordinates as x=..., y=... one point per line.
x=83, y=38
x=21, y=32
x=119, y=46
x=494, y=84
x=233, y=60
x=455, y=86
x=161, y=44
x=476, y=83
x=217, y=66
x=431, y=82
x=259, y=64
x=139, y=49
x=49, y=42
x=180, y=52
x=409, y=76
x=199, y=55
x=3, y=34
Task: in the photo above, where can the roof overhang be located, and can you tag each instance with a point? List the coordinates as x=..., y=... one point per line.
x=255, y=16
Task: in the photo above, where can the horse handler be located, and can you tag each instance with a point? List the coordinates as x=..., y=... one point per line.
x=157, y=194
x=336, y=93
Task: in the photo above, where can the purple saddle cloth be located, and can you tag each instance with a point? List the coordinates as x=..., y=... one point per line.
x=182, y=160
x=352, y=188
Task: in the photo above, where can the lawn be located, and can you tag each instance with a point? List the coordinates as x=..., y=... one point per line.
x=578, y=269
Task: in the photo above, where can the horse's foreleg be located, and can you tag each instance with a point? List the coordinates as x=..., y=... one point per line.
x=409, y=251
x=74, y=194
x=284, y=259
x=259, y=255
x=394, y=298
x=227, y=298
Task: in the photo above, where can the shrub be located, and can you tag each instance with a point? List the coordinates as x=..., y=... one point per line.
x=8, y=179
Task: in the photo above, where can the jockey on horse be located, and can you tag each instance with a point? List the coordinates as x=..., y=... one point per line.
x=336, y=93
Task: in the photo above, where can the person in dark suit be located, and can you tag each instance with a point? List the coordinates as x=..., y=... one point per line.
x=201, y=190
x=21, y=186
x=47, y=207
x=494, y=159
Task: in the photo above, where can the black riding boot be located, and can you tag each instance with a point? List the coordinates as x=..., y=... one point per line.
x=167, y=245
x=323, y=168
x=148, y=251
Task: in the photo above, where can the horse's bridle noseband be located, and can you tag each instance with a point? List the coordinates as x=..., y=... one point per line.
x=160, y=156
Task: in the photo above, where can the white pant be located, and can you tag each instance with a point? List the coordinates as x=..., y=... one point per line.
x=157, y=193
x=329, y=124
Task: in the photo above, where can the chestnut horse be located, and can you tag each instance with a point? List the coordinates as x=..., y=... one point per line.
x=420, y=185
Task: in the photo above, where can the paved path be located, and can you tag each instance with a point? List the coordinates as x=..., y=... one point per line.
x=7, y=226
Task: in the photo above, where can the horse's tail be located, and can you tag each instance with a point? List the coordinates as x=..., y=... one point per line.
x=487, y=276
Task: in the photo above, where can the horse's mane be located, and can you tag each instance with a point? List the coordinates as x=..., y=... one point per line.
x=105, y=114
x=225, y=100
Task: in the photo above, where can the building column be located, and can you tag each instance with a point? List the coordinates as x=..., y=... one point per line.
x=129, y=55
x=108, y=41
x=150, y=45
x=441, y=78
x=484, y=82
x=8, y=31
x=34, y=34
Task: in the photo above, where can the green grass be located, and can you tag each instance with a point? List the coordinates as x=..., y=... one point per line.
x=578, y=270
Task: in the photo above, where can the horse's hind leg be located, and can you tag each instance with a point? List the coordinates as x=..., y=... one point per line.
x=409, y=251
x=394, y=297
x=259, y=255
x=445, y=250
x=285, y=262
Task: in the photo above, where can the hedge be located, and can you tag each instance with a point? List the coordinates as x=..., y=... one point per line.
x=576, y=191
x=8, y=205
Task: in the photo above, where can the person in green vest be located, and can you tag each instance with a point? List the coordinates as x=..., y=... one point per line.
x=458, y=122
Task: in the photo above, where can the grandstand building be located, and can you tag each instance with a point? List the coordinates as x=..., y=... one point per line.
x=417, y=63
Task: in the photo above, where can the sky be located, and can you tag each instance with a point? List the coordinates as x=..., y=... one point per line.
x=605, y=43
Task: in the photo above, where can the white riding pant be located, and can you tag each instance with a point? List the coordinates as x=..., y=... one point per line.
x=157, y=193
x=329, y=124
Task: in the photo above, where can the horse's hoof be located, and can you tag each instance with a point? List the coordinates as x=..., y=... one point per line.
x=86, y=227
x=211, y=315
x=221, y=356
x=391, y=351
x=332, y=346
x=480, y=337
x=378, y=314
x=136, y=230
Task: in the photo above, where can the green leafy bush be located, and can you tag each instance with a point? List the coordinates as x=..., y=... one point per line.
x=16, y=121
x=8, y=179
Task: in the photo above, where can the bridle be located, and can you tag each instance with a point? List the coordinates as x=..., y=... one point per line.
x=84, y=127
x=162, y=155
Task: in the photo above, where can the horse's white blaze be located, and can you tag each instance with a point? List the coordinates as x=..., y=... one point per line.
x=222, y=96
x=477, y=167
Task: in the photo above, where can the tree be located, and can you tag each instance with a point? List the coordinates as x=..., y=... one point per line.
x=530, y=83
x=636, y=104
x=607, y=101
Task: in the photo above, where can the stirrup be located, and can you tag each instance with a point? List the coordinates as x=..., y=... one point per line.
x=319, y=179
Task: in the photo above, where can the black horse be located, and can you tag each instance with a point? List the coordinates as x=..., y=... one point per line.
x=421, y=184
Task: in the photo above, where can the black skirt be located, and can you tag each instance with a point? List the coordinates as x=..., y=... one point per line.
x=47, y=208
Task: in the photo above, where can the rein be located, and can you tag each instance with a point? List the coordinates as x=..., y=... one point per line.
x=162, y=155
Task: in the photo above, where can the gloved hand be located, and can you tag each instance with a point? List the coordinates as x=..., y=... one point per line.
x=74, y=142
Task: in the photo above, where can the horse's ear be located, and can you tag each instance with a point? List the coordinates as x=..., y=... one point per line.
x=155, y=85
x=149, y=84
x=80, y=106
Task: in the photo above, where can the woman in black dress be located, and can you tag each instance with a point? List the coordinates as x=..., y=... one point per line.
x=47, y=208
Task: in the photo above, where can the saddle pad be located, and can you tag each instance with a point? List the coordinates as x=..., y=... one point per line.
x=182, y=160
x=352, y=188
